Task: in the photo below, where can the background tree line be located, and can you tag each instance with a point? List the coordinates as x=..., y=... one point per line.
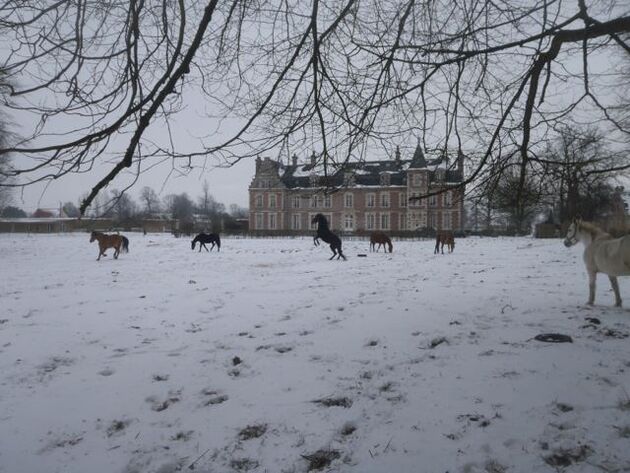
x=575, y=175
x=127, y=211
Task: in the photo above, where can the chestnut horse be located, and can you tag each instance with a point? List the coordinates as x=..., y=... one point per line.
x=444, y=237
x=105, y=241
x=381, y=239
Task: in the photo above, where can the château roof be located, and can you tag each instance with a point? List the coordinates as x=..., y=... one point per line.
x=366, y=173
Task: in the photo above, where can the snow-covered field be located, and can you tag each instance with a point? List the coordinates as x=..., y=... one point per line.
x=169, y=359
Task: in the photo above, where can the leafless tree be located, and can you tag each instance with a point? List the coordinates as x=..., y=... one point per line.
x=150, y=201
x=103, y=80
x=581, y=171
x=5, y=190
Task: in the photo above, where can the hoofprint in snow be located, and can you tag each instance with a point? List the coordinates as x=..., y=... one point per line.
x=268, y=357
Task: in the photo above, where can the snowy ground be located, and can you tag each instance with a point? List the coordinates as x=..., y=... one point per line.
x=168, y=359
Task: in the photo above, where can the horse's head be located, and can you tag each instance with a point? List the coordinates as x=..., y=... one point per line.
x=92, y=237
x=572, y=233
x=192, y=243
x=320, y=219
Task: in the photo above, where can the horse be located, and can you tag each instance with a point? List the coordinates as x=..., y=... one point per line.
x=204, y=238
x=329, y=237
x=381, y=239
x=105, y=241
x=602, y=254
x=444, y=237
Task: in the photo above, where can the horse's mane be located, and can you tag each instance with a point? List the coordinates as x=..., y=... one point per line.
x=593, y=229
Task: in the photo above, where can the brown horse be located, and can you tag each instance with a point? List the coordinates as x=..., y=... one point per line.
x=444, y=237
x=110, y=241
x=381, y=239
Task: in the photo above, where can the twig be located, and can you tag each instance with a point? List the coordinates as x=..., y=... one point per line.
x=387, y=446
x=192, y=465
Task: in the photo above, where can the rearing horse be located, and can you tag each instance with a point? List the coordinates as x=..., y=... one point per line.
x=105, y=241
x=329, y=237
x=602, y=254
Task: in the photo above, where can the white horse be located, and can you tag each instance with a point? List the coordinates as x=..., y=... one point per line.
x=602, y=254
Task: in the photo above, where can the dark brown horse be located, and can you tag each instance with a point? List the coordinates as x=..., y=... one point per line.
x=444, y=237
x=204, y=238
x=382, y=240
x=105, y=241
x=329, y=237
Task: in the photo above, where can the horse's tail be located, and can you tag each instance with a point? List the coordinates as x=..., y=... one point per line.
x=218, y=241
x=125, y=245
x=389, y=243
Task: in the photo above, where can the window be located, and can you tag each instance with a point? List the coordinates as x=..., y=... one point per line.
x=384, y=221
x=402, y=223
x=370, y=221
x=402, y=199
x=348, y=222
x=446, y=221
x=417, y=180
x=295, y=222
x=314, y=202
x=385, y=179
x=259, y=222
x=448, y=199
x=348, y=200
x=415, y=202
x=370, y=200
x=433, y=201
x=259, y=201
x=385, y=199
x=272, y=221
x=272, y=201
x=296, y=202
x=432, y=220
x=327, y=201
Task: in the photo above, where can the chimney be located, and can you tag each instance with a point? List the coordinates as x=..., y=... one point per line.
x=313, y=159
x=258, y=162
x=294, y=160
x=397, y=156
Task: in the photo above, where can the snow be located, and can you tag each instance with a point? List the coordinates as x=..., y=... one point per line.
x=130, y=365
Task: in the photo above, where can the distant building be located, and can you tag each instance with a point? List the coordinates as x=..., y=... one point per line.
x=372, y=195
x=42, y=213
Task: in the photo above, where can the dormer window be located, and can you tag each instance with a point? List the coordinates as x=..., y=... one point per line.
x=385, y=179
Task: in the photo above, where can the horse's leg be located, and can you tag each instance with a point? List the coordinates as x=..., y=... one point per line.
x=615, y=285
x=341, y=254
x=591, y=287
x=212, y=247
x=116, y=251
x=334, y=252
